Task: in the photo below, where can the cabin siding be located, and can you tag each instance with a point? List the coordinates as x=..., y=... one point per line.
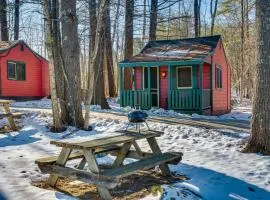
x=139, y=80
x=36, y=83
x=163, y=87
x=221, y=96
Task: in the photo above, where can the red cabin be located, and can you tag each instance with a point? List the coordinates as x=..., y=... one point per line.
x=190, y=75
x=24, y=74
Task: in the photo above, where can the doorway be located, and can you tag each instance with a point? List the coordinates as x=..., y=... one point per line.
x=154, y=84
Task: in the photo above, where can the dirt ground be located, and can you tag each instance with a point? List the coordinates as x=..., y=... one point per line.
x=133, y=187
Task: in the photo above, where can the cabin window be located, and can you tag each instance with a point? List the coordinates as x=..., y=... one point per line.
x=16, y=71
x=218, y=76
x=184, y=77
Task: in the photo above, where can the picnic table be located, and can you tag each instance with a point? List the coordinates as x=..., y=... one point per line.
x=5, y=104
x=119, y=146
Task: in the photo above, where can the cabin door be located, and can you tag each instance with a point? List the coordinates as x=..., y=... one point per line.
x=154, y=84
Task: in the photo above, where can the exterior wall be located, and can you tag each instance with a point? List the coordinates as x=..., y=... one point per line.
x=139, y=79
x=206, y=76
x=163, y=86
x=222, y=96
x=45, y=79
x=36, y=83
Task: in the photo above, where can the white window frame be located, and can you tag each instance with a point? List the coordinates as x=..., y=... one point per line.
x=191, y=77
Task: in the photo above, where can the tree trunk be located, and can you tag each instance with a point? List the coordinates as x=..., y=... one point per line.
x=71, y=61
x=57, y=123
x=242, y=49
x=213, y=12
x=153, y=20
x=197, y=21
x=93, y=61
x=259, y=140
x=108, y=55
x=16, y=19
x=128, y=42
x=62, y=79
x=3, y=20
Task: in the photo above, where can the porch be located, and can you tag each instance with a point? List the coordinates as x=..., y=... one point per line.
x=192, y=95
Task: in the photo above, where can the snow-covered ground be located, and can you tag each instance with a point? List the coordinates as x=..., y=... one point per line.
x=212, y=158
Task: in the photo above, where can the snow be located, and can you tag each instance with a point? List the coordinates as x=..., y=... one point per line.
x=212, y=159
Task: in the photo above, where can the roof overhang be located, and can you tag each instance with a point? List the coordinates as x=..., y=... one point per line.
x=162, y=63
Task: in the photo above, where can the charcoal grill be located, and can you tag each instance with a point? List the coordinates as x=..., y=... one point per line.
x=137, y=117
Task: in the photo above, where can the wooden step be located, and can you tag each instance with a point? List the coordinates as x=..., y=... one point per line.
x=52, y=159
x=143, y=164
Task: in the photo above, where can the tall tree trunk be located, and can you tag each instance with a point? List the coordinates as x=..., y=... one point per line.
x=116, y=22
x=109, y=55
x=144, y=24
x=242, y=49
x=3, y=20
x=153, y=20
x=57, y=122
x=213, y=12
x=128, y=42
x=197, y=20
x=259, y=140
x=93, y=61
x=62, y=79
x=71, y=61
x=16, y=19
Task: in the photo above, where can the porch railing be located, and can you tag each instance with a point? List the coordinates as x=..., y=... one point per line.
x=188, y=99
x=135, y=98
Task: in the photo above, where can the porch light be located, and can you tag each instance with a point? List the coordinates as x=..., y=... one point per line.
x=163, y=74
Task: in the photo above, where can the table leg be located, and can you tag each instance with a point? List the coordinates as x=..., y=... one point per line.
x=155, y=149
x=121, y=155
x=61, y=160
x=10, y=117
x=137, y=148
x=81, y=164
x=93, y=167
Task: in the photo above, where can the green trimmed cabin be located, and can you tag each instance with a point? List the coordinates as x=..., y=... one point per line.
x=189, y=75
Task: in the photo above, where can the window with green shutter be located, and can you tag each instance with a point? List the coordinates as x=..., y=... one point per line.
x=16, y=71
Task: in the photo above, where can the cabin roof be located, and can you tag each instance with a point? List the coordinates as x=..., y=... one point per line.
x=175, y=50
x=7, y=45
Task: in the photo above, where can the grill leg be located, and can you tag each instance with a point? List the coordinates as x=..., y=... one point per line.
x=127, y=126
x=147, y=125
x=136, y=126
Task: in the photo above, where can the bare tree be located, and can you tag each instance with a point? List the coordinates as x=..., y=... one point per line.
x=3, y=20
x=213, y=12
x=71, y=61
x=128, y=41
x=153, y=20
x=57, y=122
x=197, y=17
x=94, y=59
x=259, y=140
x=16, y=19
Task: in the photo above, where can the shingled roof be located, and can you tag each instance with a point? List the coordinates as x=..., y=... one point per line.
x=175, y=50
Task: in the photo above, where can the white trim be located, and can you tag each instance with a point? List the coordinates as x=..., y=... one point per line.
x=15, y=68
x=191, y=74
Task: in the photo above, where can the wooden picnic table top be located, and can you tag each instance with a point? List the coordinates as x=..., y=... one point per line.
x=4, y=101
x=90, y=143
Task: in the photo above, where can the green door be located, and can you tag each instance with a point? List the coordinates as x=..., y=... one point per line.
x=154, y=85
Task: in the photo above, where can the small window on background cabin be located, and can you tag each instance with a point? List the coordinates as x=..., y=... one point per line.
x=184, y=77
x=16, y=71
x=218, y=76
x=12, y=70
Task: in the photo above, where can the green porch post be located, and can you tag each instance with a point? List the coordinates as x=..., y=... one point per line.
x=121, y=86
x=201, y=88
x=149, y=87
x=169, y=87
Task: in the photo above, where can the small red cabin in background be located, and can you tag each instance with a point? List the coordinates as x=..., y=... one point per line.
x=191, y=75
x=24, y=74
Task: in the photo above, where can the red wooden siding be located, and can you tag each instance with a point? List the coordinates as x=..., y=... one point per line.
x=206, y=76
x=163, y=87
x=37, y=74
x=139, y=78
x=222, y=96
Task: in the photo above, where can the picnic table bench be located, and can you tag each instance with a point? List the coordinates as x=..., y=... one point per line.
x=5, y=104
x=120, y=146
